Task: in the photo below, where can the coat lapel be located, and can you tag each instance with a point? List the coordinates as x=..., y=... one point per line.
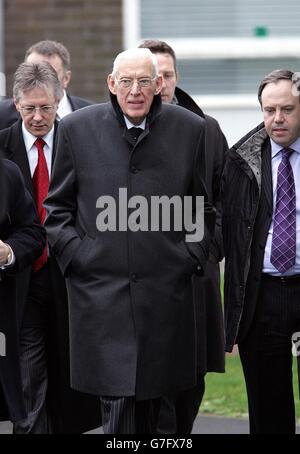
x=15, y=151
x=267, y=185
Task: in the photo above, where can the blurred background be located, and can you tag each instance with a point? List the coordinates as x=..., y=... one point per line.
x=224, y=47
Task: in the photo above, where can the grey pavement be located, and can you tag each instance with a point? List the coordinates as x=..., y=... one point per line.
x=204, y=424
x=212, y=425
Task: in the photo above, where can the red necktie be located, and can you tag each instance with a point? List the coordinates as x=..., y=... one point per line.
x=40, y=181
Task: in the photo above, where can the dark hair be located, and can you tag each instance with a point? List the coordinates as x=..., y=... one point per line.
x=32, y=75
x=275, y=76
x=48, y=49
x=159, y=47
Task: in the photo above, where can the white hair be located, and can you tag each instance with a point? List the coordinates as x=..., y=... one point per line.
x=135, y=54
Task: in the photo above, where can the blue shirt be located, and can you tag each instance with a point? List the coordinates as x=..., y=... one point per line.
x=295, y=163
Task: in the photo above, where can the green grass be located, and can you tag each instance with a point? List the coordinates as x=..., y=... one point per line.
x=226, y=393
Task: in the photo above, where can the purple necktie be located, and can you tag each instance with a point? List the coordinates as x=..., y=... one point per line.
x=284, y=230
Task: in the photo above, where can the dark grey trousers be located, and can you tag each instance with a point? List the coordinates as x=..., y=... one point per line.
x=124, y=415
x=33, y=356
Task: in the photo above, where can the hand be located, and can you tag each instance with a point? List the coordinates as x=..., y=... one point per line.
x=4, y=253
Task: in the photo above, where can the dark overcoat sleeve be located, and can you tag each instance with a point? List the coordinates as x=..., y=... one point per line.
x=61, y=204
x=200, y=249
x=21, y=228
x=217, y=149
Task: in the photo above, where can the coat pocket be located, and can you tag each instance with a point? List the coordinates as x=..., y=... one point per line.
x=80, y=259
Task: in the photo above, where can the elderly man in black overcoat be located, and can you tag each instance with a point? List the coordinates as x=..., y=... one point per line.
x=132, y=320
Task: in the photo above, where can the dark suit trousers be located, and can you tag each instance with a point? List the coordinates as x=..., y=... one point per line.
x=33, y=355
x=266, y=355
x=125, y=415
x=176, y=414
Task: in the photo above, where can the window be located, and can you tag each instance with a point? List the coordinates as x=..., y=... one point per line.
x=224, y=47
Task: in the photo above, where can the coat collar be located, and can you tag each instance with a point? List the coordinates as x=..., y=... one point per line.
x=155, y=110
x=248, y=151
x=185, y=100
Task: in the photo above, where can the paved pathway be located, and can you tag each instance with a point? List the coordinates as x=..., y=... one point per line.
x=203, y=425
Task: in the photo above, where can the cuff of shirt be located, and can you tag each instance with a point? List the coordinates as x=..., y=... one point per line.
x=11, y=258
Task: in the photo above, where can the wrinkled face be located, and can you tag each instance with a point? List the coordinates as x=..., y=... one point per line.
x=135, y=101
x=39, y=121
x=169, y=77
x=281, y=110
x=55, y=61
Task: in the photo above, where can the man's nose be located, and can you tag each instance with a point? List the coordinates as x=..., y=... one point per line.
x=163, y=82
x=135, y=89
x=278, y=116
x=37, y=115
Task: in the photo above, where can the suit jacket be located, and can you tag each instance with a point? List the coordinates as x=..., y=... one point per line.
x=207, y=295
x=71, y=411
x=9, y=115
x=21, y=229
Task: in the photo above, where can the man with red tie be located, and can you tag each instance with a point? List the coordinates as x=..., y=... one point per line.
x=44, y=333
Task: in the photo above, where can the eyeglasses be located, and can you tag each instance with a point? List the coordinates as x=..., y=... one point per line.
x=145, y=82
x=31, y=110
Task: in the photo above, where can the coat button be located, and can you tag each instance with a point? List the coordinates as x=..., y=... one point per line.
x=134, y=169
x=134, y=277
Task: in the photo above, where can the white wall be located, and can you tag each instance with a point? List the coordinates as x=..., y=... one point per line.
x=235, y=123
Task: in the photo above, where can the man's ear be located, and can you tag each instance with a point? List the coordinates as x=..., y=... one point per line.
x=17, y=104
x=159, y=82
x=111, y=84
x=66, y=79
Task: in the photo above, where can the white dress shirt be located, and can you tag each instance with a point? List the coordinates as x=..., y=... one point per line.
x=130, y=125
x=64, y=107
x=32, y=151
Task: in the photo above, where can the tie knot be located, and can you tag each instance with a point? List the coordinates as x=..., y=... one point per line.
x=135, y=133
x=286, y=153
x=39, y=143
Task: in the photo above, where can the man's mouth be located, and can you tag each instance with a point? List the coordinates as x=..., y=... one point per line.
x=279, y=130
x=135, y=103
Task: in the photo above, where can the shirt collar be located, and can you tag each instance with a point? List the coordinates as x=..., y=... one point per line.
x=64, y=106
x=129, y=125
x=276, y=148
x=29, y=138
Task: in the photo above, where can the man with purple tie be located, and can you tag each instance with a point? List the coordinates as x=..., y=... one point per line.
x=261, y=228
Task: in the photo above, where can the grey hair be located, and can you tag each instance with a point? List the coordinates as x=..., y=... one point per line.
x=275, y=76
x=135, y=54
x=35, y=75
x=49, y=48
